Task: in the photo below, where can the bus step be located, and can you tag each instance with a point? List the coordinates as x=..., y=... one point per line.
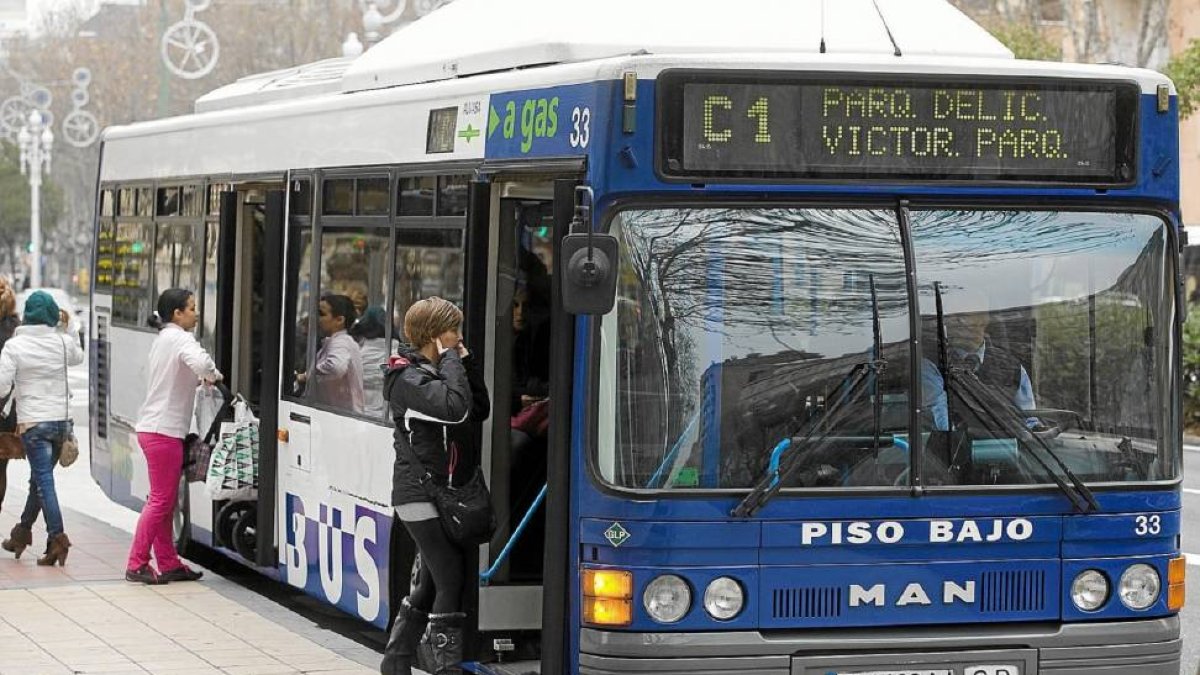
x=511, y=668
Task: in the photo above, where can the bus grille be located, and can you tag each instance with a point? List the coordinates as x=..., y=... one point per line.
x=806, y=603
x=1012, y=591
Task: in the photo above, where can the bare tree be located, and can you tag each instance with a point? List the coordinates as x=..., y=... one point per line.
x=130, y=83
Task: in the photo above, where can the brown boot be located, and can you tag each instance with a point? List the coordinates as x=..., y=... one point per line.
x=56, y=551
x=18, y=540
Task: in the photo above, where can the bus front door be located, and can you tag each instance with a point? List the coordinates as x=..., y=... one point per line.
x=519, y=442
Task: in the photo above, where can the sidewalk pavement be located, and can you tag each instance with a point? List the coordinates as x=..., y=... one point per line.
x=85, y=618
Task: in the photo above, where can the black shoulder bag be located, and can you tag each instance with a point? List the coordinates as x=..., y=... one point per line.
x=466, y=512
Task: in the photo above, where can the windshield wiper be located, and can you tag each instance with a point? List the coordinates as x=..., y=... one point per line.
x=982, y=399
x=770, y=484
x=1009, y=421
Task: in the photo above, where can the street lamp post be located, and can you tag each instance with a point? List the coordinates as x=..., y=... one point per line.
x=35, y=140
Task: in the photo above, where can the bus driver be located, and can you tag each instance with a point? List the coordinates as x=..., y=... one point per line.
x=970, y=347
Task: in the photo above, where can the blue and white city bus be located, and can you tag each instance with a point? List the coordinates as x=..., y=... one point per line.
x=822, y=337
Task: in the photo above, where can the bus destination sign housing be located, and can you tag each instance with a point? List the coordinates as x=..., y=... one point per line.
x=769, y=125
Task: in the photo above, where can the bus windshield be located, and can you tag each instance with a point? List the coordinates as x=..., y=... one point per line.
x=744, y=338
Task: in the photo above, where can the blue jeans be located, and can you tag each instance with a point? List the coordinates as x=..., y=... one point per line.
x=43, y=443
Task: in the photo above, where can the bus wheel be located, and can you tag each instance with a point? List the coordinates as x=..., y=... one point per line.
x=227, y=518
x=245, y=534
x=181, y=521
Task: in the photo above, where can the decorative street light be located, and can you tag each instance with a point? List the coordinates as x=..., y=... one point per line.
x=352, y=47
x=35, y=140
x=372, y=24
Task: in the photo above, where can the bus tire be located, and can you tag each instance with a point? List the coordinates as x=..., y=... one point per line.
x=227, y=518
x=181, y=520
x=245, y=534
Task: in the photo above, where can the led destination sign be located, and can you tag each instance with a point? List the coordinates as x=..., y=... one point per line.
x=774, y=127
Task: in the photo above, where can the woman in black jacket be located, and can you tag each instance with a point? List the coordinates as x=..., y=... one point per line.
x=430, y=389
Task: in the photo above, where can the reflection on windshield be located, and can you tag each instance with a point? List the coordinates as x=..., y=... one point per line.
x=1065, y=320
x=734, y=327
x=738, y=328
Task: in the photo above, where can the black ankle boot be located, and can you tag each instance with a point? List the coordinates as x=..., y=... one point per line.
x=401, y=647
x=446, y=641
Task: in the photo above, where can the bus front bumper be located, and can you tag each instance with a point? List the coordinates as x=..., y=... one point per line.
x=1148, y=647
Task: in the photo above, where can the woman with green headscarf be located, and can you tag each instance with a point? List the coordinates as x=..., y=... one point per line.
x=33, y=367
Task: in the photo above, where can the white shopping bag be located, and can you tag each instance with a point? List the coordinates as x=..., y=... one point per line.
x=233, y=469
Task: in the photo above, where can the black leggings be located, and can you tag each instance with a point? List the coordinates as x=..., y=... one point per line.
x=439, y=585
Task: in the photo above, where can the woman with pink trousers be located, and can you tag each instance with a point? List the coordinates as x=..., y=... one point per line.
x=177, y=365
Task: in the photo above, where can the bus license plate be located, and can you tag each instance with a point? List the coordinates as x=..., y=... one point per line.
x=938, y=671
x=966, y=670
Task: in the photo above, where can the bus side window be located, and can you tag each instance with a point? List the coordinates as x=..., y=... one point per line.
x=175, y=258
x=353, y=283
x=429, y=262
x=133, y=249
x=298, y=306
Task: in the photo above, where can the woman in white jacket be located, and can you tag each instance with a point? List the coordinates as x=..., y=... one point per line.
x=33, y=366
x=177, y=364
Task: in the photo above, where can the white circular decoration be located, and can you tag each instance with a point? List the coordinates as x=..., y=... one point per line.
x=80, y=128
x=190, y=49
x=14, y=114
x=198, y=5
x=82, y=77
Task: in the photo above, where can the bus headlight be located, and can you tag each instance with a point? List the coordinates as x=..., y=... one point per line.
x=1139, y=586
x=1089, y=590
x=667, y=598
x=723, y=599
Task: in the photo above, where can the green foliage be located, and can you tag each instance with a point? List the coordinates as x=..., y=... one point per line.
x=1027, y=42
x=1108, y=380
x=1191, y=369
x=1184, y=70
x=14, y=202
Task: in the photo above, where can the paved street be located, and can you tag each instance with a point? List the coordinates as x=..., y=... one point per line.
x=1191, y=544
x=84, y=618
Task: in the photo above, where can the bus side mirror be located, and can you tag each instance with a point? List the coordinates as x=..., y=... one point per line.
x=589, y=273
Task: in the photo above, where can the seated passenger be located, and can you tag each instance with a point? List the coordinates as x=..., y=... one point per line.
x=970, y=347
x=337, y=374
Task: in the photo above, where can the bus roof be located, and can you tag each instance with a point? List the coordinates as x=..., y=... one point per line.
x=472, y=37
x=469, y=37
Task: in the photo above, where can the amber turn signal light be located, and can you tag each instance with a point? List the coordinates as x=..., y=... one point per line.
x=608, y=584
x=607, y=611
x=281, y=435
x=607, y=597
x=1176, y=583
